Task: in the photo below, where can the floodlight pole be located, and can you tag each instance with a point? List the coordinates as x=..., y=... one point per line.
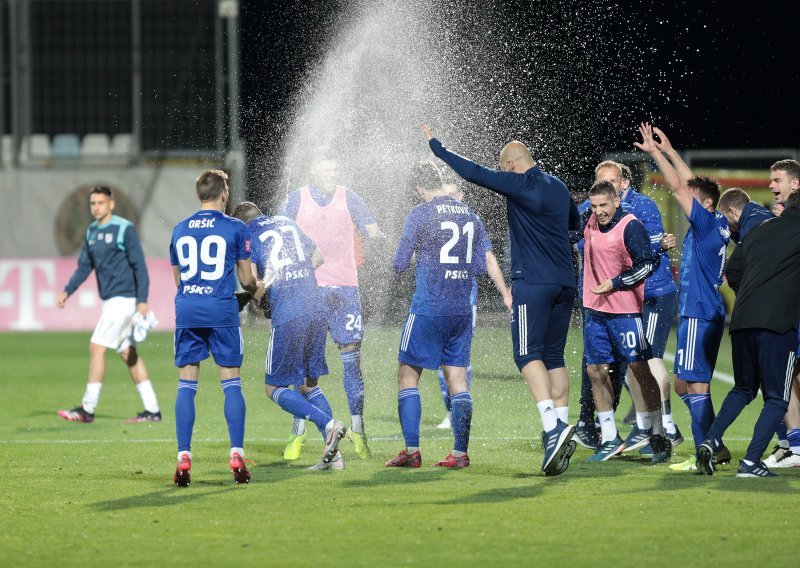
x=136, y=79
x=235, y=162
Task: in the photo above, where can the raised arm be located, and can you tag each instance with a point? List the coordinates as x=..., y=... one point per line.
x=663, y=144
x=508, y=184
x=676, y=184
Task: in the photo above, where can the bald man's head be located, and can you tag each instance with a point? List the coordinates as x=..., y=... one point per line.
x=515, y=157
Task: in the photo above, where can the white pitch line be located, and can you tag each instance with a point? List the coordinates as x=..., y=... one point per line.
x=724, y=377
x=282, y=440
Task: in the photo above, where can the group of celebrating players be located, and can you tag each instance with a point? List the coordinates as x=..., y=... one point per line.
x=301, y=266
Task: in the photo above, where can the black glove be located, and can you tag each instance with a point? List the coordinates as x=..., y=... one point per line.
x=243, y=298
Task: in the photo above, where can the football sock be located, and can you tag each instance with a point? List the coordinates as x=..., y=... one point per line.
x=666, y=417
x=239, y=451
x=462, y=420
x=793, y=436
x=702, y=412
x=318, y=399
x=547, y=411
x=608, y=428
x=562, y=413
x=782, y=433
x=655, y=422
x=409, y=408
x=772, y=413
x=298, y=426
x=353, y=382
x=644, y=420
x=184, y=452
x=235, y=410
x=148, y=395
x=445, y=392
x=357, y=423
x=295, y=404
x=686, y=401
x=457, y=454
x=91, y=396
x=184, y=414
x=748, y=462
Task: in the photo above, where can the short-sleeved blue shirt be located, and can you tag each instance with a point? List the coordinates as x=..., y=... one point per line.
x=206, y=247
x=283, y=252
x=450, y=244
x=703, y=264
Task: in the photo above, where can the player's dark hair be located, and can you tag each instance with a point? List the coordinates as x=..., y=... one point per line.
x=210, y=185
x=791, y=167
x=427, y=176
x=102, y=189
x=603, y=188
x=246, y=211
x=733, y=197
x=707, y=187
x=793, y=201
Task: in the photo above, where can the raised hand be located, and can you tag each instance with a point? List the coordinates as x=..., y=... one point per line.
x=663, y=142
x=427, y=130
x=647, y=144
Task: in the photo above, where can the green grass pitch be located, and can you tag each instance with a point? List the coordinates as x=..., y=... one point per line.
x=101, y=494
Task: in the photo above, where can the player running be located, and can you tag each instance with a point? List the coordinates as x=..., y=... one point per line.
x=285, y=259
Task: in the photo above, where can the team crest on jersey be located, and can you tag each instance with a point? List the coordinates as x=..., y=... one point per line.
x=109, y=238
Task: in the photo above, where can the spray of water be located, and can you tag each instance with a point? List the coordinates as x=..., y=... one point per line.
x=558, y=76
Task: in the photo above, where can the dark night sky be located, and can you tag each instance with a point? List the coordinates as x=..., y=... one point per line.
x=718, y=77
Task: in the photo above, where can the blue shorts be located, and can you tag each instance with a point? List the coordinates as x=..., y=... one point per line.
x=193, y=344
x=432, y=341
x=343, y=313
x=296, y=351
x=697, y=349
x=610, y=339
x=657, y=318
x=540, y=322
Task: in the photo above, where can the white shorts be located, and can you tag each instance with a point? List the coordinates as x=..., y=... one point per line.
x=114, y=329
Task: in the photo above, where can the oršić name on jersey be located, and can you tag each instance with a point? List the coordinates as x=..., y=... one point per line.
x=202, y=223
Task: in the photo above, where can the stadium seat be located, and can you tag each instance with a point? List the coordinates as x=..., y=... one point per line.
x=121, y=145
x=65, y=147
x=35, y=147
x=95, y=146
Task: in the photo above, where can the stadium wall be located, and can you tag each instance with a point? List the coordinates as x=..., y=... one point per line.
x=42, y=227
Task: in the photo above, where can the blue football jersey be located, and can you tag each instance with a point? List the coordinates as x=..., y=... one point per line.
x=450, y=244
x=282, y=255
x=206, y=247
x=703, y=264
x=660, y=282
